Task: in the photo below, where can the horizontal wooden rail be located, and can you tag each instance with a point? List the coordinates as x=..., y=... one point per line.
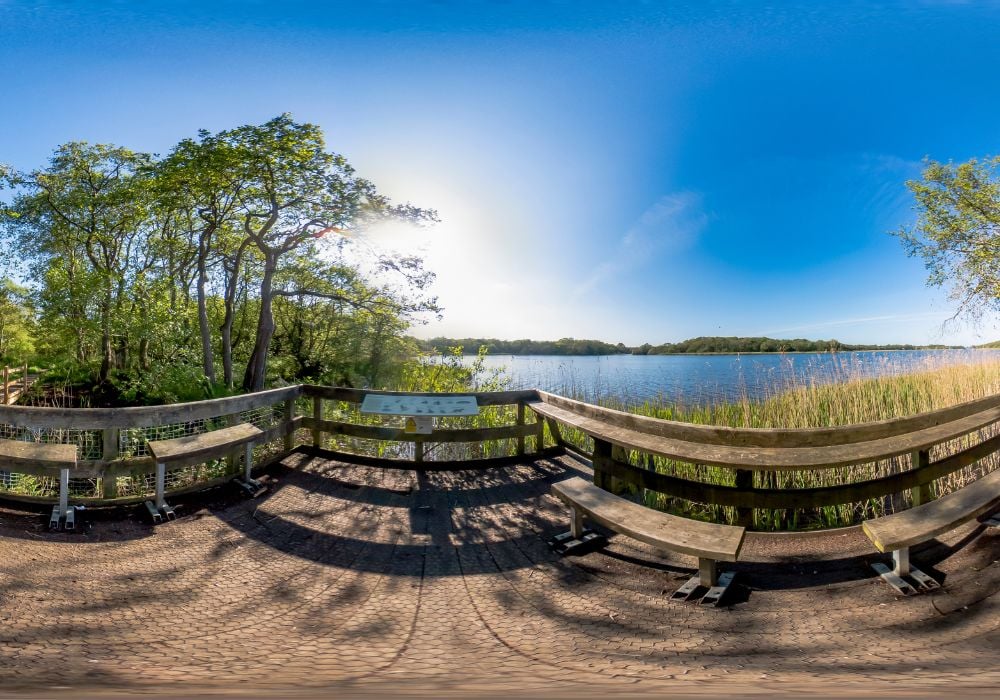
x=775, y=437
x=141, y=416
x=743, y=450
x=770, y=458
x=375, y=432
x=817, y=497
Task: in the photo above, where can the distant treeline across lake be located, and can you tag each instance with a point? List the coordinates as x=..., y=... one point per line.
x=700, y=379
x=701, y=345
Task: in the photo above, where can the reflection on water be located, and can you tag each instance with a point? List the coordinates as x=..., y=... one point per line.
x=701, y=379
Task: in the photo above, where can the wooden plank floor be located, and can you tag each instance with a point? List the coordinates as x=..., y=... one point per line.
x=355, y=580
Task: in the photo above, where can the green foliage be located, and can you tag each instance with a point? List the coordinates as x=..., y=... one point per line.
x=957, y=232
x=449, y=372
x=564, y=346
x=237, y=244
x=17, y=323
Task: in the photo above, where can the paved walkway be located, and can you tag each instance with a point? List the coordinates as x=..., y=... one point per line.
x=377, y=581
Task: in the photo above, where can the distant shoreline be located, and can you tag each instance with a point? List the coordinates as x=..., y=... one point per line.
x=749, y=352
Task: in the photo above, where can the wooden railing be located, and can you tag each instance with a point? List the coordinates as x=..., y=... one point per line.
x=628, y=451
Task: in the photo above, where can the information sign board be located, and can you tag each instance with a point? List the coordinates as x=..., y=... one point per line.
x=420, y=405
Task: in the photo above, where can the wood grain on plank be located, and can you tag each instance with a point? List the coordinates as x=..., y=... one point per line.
x=204, y=444
x=14, y=454
x=770, y=458
x=692, y=537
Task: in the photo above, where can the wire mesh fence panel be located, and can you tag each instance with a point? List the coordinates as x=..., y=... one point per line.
x=89, y=443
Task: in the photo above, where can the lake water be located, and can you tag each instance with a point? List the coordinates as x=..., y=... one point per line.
x=700, y=379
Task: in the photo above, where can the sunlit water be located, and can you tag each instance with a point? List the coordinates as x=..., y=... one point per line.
x=701, y=379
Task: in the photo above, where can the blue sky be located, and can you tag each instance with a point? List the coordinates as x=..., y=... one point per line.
x=642, y=172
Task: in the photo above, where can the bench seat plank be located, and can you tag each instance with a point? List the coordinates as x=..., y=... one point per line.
x=923, y=522
x=14, y=453
x=204, y=444
x=692, y=537
x=770, y=458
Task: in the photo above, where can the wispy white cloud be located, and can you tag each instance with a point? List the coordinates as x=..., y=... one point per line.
x=672, y=223
x=891, y=318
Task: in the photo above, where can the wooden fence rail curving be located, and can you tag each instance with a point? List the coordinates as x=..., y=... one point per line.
x=627, y=449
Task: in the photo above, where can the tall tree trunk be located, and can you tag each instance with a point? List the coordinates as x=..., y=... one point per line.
x=232, y=289
x=107, y=349
x=253, y=379
x=208, y=361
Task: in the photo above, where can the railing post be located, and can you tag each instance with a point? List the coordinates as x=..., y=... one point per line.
x=744, y=481
x=289, y=415
x=601, y=460
x=520, y=424
x=922, y=493
x=539, y=433
x=418, y=451
x=317, y=416
x=109, y=446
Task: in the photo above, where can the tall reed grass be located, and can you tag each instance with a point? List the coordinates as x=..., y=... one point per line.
x=857, y=398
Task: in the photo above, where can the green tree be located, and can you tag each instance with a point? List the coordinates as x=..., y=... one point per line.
x=17, y=322
x=957, y=232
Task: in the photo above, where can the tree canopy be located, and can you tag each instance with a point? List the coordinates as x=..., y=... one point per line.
x=957, y=232
x=236, y=244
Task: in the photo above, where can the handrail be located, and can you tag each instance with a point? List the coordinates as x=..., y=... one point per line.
x=508, y=430
x=773, y=437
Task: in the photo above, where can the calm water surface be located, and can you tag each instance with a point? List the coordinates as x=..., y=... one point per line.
x=700, y=379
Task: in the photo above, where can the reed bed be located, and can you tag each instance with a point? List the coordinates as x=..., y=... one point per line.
x=855, y=399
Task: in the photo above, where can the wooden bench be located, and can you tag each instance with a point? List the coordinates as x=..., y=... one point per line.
x=896, y=533
x=746, y=450
x=709, y=542
x=194, y=448
x=14, y=454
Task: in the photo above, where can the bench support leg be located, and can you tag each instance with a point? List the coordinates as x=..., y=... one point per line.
x=901, y=562
x=901, y=568
x=708, y=572
x=61, y=513
x=575, y=523
x=708, y=577
x=251, y=486
x=159, y=508
x=578, y=538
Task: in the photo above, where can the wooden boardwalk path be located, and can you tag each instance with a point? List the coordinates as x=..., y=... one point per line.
x=15, y=388
x=363, y=580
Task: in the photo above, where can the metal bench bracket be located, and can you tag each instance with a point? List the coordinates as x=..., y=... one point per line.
x=893, y=579
x=566, y=543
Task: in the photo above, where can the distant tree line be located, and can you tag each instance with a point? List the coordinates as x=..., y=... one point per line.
x=732, y=344
x=563, y=346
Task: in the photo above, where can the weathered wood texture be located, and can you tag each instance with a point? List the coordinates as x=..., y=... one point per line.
x=768, y=458
x=692, y=537
x=781, y=437
x=205, y=444
x=818, y=497
x=15, y=455
x=376, y=432
x=923, y=522
x=141, y=416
